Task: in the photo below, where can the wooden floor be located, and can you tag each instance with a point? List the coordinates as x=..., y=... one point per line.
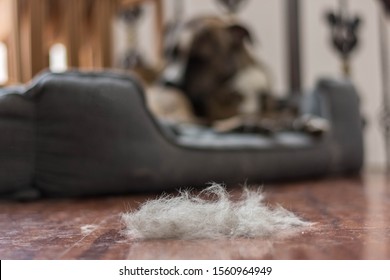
x=352, y=216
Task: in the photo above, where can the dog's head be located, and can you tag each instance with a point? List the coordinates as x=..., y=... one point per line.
x=204, y=58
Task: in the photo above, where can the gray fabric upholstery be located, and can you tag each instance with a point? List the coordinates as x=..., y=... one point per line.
x=341, y=107
x=77, y=134
x=17, y=140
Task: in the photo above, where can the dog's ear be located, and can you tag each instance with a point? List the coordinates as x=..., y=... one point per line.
x=240, y=34
x=355, y=23
x=332, y=19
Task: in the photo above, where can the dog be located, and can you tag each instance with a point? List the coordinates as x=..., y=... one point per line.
x=209, y=60
x=212, y=74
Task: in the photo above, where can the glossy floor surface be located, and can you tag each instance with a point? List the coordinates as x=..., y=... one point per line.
x=352, y=216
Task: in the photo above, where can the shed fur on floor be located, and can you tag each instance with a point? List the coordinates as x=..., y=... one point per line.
x=211, y=214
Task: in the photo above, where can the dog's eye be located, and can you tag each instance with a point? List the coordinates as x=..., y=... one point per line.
x=176, y=52
x=172, y=52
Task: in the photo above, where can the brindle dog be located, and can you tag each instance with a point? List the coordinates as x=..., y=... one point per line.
x=210, y=60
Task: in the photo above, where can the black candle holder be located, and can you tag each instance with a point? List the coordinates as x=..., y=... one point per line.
x=344, y=32
x=232, y=6
x=131, y=16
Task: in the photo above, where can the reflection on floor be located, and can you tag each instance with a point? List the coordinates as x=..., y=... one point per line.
x=352, y=216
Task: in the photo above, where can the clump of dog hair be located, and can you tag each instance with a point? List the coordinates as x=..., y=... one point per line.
x=210, y=214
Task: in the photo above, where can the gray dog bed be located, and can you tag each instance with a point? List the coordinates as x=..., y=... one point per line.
x=78, y=134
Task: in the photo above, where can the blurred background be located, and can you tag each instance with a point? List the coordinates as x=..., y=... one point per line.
x=290, y=35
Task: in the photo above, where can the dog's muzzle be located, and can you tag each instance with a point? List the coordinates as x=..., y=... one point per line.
x=173, y=74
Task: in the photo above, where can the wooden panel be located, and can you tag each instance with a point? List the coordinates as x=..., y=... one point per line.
x=32, y=53
x=5, y=19
x=13, y=44
x=102, y=36
x=83, y=26
x=72, y=33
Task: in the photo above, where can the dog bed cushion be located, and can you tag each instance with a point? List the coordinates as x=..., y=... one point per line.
x=78, y=134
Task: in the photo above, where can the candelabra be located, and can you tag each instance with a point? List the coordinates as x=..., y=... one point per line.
x=131, y=17
x=232, y=6
x=344, y=29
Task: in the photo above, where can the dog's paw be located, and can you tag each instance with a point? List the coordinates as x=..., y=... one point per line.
x=313, y=124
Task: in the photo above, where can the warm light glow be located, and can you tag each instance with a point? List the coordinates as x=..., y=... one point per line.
x=58, y=58
x=3, y=64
